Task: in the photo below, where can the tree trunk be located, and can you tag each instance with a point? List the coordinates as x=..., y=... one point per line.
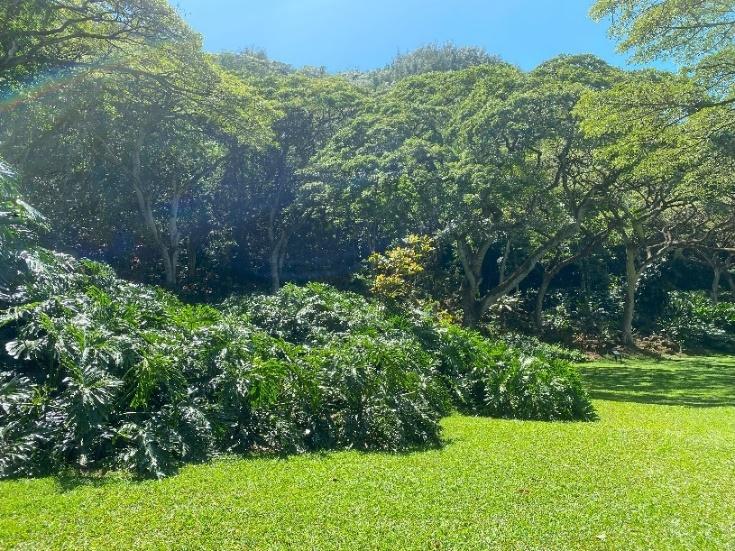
x=191, y=256
x=471, y=313
x=542, y=290
x=730, y=281
x=170, y=260
x=504, y=262
x=631, y=284
x=275, y=270
x=173, y=240
x=717, y=272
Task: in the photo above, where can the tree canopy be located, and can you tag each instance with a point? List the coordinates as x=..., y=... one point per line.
x=560, y=190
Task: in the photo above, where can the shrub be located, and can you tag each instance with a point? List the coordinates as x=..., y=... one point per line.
x=103, y=373
x=380, y=393
x=491, y=378
x=109, y=374
x=695, y=322
x=397, y=275
x=314, y=313
x=530, y=345
x=592, y=318
x=526, y=387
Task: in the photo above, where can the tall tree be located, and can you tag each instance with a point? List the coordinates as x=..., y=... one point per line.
x=161, y=121
x=36, y=35
x=485, y=157
x=311, y=109
x=659, y=195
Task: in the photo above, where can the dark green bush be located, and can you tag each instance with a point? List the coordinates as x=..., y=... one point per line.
x=104, y=373
x=695, y=322
x=526, y=387
x=314, y=313
x=101, y=373
x=380, y=393
x=491, y=378
x=530, y=345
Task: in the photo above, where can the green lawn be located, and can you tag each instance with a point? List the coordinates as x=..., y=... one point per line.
x=657, y=471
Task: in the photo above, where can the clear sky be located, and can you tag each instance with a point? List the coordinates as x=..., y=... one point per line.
x=365, y=34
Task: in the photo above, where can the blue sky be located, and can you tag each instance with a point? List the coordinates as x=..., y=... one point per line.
x=350, y=34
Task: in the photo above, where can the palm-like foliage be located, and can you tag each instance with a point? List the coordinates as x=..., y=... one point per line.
x=103, y=373
x=18, y=223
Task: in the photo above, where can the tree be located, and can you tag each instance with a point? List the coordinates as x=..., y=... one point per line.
x=698, y=35
x=426, y=59
x=659, y=195
x=311, y=109
x=36, y=35
x=486, y=158
x=161, y=121
x=699, y=32
x=550, y=185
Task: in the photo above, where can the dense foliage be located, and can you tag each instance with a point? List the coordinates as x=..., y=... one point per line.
x=694, y=322
x=577, y=202
x=460, y=180
x=110, y=374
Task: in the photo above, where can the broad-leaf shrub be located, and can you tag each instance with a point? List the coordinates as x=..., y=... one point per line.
x=482, y=376
x=314, y=313
x=108, y=374
x=490, y=378
x=530, y=345
x=19, y=223
x=694, y=321
x=380, y=393
x=471, y=367
x=527, y=387
x=101, y=373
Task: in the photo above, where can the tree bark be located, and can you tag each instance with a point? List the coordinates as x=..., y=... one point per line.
x=716, y=273
x=631, y=284
x=470, y=306
x=174, y=238
x=275, y=262
x=540, y=296
x=504, y=261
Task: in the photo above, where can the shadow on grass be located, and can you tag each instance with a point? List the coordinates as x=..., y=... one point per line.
x=70, y=480
x=694, y=382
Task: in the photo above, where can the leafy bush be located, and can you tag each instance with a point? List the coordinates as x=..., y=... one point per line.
x=103, y=373
x=314, y=313
x=470, y=367
x=491, y=378
x=530, y=345
x=399, y=274
x=110, y=374
x=526, y=387
x=380, y=393
x=695, y=322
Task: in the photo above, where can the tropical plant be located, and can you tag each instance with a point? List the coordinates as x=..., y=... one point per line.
x=694, y=321
x=109, y=374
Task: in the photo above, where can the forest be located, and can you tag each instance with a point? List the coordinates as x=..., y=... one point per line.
x=206, y=254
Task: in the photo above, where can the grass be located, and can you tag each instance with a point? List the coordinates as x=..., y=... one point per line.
x=656, y=472
x=694, y=381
